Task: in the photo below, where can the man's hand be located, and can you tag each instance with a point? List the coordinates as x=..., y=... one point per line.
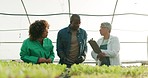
x=80, y=59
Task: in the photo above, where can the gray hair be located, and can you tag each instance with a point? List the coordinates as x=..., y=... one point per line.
x=107, y=25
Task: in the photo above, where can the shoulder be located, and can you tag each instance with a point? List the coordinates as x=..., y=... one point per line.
x=63, y=29
x=100, y=40
x=82, y=30
x=113, y=37
x=26, y=40
x=47, y=40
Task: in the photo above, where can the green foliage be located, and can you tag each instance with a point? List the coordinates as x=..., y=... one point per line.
x=87, y=71
x=24, y=70
x=11, y=69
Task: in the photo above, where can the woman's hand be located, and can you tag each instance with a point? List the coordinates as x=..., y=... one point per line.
x=41, y=60
x=101, y=55
x=48, y=60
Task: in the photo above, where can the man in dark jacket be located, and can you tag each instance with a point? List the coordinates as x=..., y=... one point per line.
x=72, y=43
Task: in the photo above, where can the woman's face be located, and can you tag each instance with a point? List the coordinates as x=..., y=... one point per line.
x=103, y=30
x=45, y=33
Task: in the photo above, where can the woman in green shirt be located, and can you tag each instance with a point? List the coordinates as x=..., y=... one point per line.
x=37, y=48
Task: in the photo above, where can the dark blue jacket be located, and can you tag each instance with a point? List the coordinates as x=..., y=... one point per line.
x=64, y=40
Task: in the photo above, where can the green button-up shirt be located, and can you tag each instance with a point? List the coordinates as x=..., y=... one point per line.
x=31, y=51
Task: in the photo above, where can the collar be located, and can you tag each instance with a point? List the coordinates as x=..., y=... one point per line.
x=69, y=30
x=110, y=37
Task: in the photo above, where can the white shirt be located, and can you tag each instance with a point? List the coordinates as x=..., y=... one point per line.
x=113, y=48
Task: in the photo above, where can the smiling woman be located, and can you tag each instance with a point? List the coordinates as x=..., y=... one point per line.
x=129, y=23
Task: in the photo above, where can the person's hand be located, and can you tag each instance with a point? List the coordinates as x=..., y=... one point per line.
x=41, y=60
x=48, y=60
x=80, y=59
x=100, y=56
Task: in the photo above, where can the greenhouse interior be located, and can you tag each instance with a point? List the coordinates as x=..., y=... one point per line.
x=127, y=17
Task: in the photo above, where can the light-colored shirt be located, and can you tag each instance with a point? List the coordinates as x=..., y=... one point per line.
x=74, y=49
x=113, y=48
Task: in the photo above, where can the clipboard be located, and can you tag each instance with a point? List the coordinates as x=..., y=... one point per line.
x=94, y=46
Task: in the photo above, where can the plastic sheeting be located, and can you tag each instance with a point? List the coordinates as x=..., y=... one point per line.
x=129, y=22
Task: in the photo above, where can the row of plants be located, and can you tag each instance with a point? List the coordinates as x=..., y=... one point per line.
x=12, y=69
x=87, y=71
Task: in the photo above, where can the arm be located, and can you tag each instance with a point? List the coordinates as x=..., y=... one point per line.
x=25, y=54
x=114, y=48
x=52, y=55
x=84, y=52
x=94, y=55
x=59, y=46
x=83, y=48
x=49, y=54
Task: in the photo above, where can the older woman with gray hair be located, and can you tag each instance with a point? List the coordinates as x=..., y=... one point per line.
x=109, y=46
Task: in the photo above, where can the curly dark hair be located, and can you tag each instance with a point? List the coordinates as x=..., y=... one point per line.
x=37, y=28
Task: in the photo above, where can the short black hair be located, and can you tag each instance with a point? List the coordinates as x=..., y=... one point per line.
x=74, y=16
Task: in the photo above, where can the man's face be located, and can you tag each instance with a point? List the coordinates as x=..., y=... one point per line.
x=75, y=24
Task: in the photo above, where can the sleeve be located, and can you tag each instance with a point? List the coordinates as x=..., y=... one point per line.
x=85, y=44
x=59, y=46
x=52, y=55
x=25, y=54
x=94, y=55
x=113, y=48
